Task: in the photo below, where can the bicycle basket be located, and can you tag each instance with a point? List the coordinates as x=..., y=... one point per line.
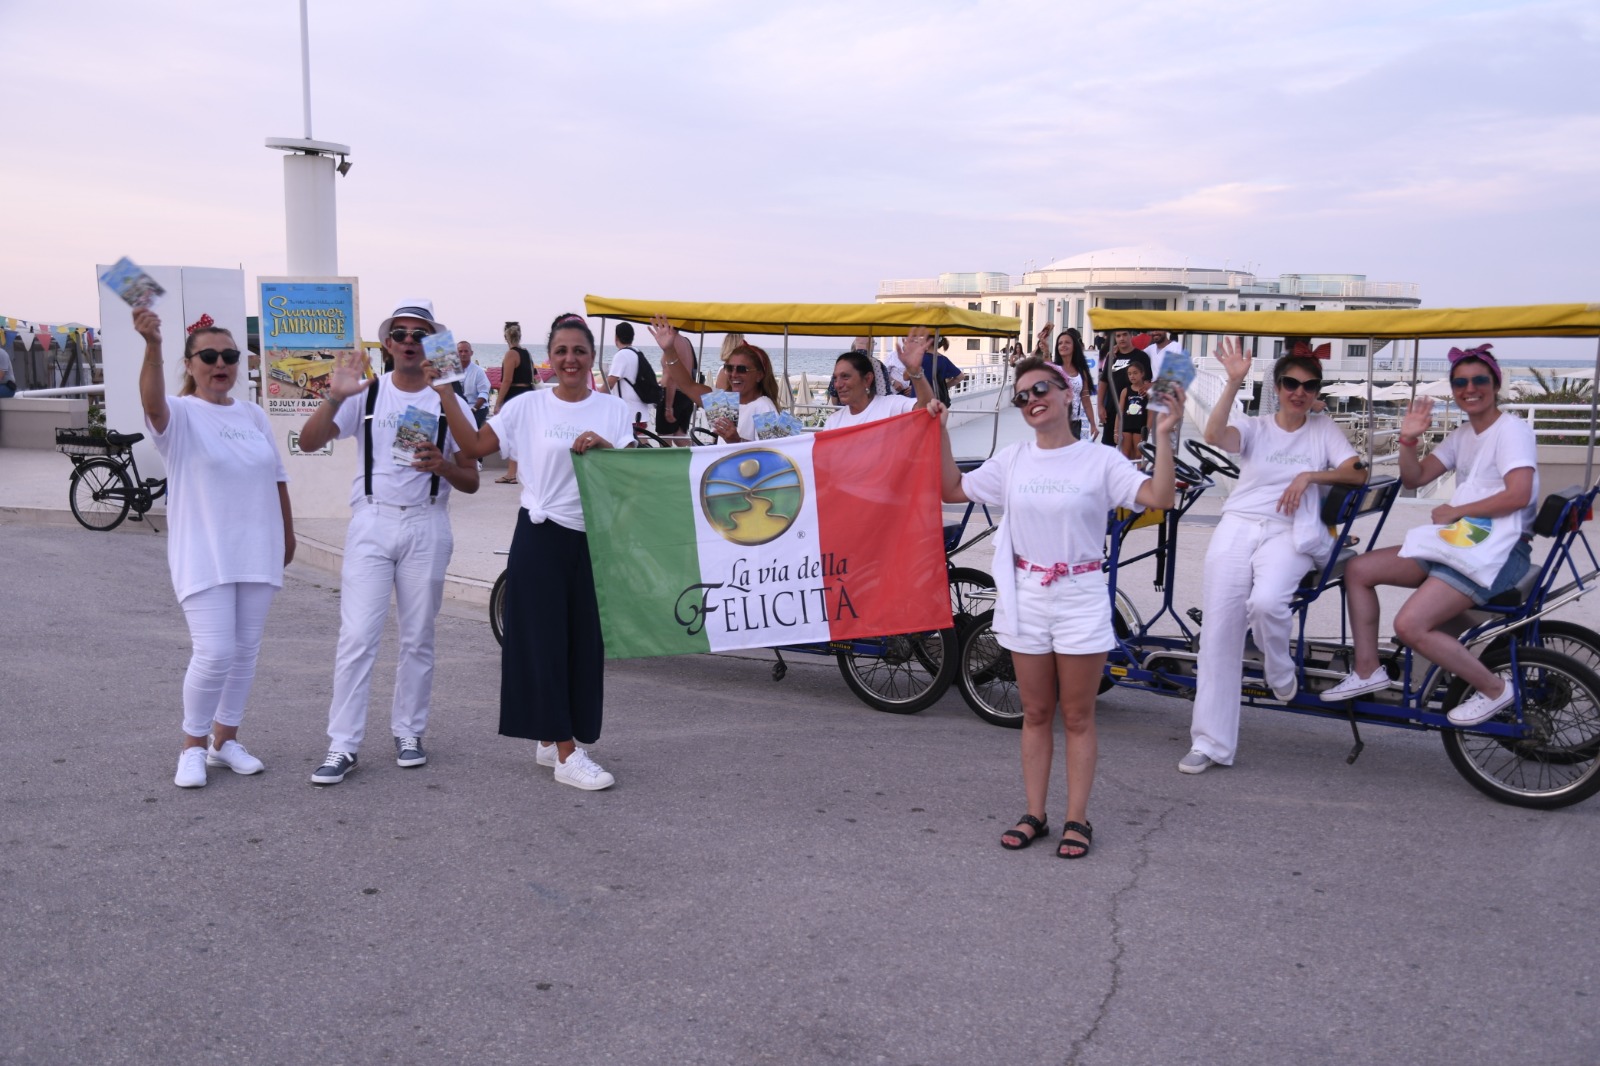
x=82, y=442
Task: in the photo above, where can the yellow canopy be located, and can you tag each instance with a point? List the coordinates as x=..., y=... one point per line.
x=808, y=320
x=1536, y=320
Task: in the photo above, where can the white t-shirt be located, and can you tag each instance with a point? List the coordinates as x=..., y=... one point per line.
x=1057, y=498
x=1272, y=457
x=537, y=432
x=625, y=368
x=1484, y=459
x=392, y=483
x=225, y=520
x=748, y=412
x=880, y=407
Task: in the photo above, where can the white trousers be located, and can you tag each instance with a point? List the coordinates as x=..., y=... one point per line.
x=225, y=626
x=403, y=550
x=1252, y=569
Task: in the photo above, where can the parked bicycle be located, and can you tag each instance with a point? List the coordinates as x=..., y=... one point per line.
x=105, y=483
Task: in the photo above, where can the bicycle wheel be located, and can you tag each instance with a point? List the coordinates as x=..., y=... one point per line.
x=985, y=675
x=1558, y=762
x=100, y=492
x=901, y=674
x=1568, y=638
x=497, y=608
x=971, y=593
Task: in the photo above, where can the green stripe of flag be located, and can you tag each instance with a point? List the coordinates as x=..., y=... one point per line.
x=639, y=513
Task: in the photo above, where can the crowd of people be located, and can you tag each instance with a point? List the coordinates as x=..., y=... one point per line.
x=231, y=529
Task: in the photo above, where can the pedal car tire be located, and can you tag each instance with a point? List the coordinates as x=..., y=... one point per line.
x=901, y=674
x=1558, y=763
x=987, y=680
x=968, y=586
x=497, y=608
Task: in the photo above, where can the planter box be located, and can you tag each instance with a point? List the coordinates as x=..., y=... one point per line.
x=1561, y=465
x=29, y=422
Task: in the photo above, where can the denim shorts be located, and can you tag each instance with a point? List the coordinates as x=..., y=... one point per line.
x=1515, y=568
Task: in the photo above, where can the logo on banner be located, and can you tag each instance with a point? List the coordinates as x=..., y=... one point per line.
x=752, y=497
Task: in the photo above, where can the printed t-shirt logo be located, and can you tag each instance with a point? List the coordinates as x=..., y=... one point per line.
x=752, y=497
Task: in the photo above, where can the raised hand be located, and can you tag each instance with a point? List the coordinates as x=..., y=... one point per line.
x=664, y=332
x=1172, y=418
x=914, y=347
x=1044, y=337
x=1235, y=359
x=147, y=324
x=1418, y=419
x=347, y=379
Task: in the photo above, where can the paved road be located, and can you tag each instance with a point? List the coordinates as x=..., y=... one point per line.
x=781, y=875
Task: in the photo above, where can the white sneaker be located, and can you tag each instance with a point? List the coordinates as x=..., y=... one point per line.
x=191, y=768
x=580, y=771
x=546, y=754
x=234, y=757
x=1480, y=708
x=1287, y=692
x=1355, y=685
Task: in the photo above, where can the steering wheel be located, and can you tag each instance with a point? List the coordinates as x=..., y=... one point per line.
x=1181, y=469
x=701, y=436
x=643, y=438
x=1212, y=458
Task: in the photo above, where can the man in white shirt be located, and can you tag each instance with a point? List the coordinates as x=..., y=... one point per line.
x=474, y=383
x=623, y=373
x=399, y=540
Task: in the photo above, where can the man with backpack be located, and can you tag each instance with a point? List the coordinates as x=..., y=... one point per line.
x=631, y=378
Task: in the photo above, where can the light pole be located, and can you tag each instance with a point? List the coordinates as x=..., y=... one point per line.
x=309, y=209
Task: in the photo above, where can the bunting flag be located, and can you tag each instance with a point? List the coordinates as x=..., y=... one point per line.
x=817, y=537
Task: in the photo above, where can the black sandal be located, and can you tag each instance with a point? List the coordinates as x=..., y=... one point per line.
x=1085, y=830
x=1013, y=840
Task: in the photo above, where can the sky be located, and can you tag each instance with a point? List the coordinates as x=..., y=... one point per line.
x=509, y=157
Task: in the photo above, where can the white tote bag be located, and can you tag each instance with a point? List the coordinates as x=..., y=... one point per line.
x=1475, y=547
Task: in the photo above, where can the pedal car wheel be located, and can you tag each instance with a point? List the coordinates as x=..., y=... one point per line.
x=987, y=680
x=643, y=438
x=497, y=608
x=700, y=436
x=971, y=593
x=100, y=494
x=1568, y=638
x=1558, y=762
x=901, y=674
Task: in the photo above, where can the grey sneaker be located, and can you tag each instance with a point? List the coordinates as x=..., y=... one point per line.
x=1196, y=762
x=408, y=751
x=580, y=771
x=334, y=767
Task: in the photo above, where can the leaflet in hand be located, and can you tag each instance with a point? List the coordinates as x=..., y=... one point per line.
x=721, y=405
x=415, y=428
x=1175, y=370
x=771, y=424
x=137, y=289
x=439, y=350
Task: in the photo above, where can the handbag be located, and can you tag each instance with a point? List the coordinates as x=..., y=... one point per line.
x=1475, y=547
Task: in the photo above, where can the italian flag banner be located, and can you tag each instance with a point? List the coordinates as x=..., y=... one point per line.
x=819, y=537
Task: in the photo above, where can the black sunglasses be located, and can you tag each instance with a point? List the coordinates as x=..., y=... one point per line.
x=738, y=368
x=1480, y=380
x=209, y=356
x=1314, y=385
x=402, y=334
x=1038, y=388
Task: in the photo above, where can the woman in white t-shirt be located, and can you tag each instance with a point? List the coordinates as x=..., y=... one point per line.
x=1270, y=534
x=230, y=533
x=552, y=667
x=855, y=383
x=1496, y=459
x=1052, y=610
x=746, y=370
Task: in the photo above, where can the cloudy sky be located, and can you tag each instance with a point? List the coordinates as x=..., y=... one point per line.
x=511, y=156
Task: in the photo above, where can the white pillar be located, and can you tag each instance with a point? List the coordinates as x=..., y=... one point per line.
x=310, y=216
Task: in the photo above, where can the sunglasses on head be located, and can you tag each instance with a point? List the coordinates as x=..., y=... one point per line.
x=1480, y=380
x=401, y=334
x=209, y=356
x=1038, y=388
x=1292, y=384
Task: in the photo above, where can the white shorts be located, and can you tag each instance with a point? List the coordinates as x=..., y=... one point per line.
x=1069, y=616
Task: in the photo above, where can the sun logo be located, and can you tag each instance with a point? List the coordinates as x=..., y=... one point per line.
x=752, y=497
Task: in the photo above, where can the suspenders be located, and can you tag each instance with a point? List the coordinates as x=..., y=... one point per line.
x=366, y=437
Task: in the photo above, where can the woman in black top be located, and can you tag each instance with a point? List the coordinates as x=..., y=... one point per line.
x=516, y=378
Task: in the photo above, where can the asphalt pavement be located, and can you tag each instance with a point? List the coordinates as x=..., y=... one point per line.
x=780, y=876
